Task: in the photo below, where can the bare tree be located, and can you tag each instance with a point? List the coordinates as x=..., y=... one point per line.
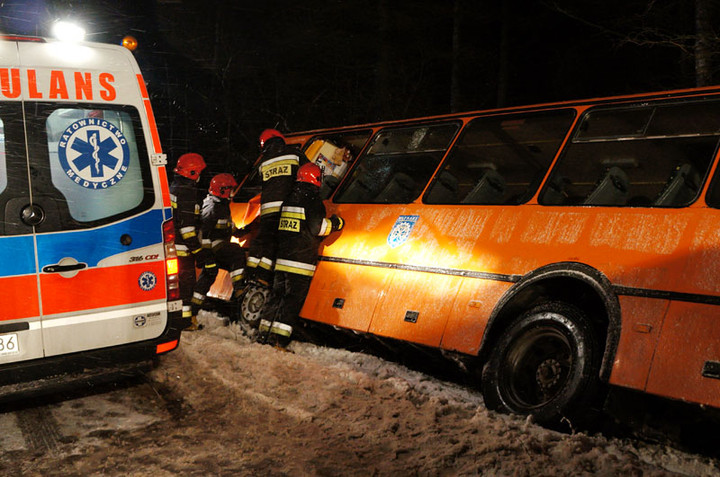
x=704, y=42
x=655, y=25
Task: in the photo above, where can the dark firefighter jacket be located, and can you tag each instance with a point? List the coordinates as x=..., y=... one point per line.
x=278, y=169
x=302, y=227
x=216, y=221
x=186, y=210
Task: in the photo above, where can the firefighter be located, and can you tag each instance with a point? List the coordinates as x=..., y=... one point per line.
x=217, y=228
x=301, y=229
x=278, y=167
x=186, y=211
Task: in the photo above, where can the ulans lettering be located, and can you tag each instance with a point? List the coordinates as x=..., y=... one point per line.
x=57, y=84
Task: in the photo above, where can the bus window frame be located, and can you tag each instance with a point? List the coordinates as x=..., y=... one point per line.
x=330, y=136
x=421, y=188
x=533, y=188
x=574, y=139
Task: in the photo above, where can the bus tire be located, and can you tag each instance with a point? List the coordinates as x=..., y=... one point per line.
x=545, y=365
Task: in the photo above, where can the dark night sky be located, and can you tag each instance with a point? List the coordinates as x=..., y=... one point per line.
x=220, y=71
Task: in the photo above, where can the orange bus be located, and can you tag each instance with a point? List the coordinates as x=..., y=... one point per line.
x=567, y=246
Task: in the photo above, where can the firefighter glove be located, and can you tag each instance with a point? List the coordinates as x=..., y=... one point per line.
x=337, y=222
x=241, y=232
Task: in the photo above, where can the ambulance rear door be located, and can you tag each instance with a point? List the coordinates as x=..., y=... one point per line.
x=20, y=325
x=93, y=201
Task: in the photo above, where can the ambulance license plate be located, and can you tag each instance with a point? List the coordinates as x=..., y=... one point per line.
x=9, y=344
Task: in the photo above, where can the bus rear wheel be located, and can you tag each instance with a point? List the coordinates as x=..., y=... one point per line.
x=546, y=365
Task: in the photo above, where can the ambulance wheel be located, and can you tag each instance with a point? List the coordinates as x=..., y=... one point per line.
x=252, y=304
x=546, y=365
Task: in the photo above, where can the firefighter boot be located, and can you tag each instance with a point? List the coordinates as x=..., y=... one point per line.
x=194, y=325
x=279, y=342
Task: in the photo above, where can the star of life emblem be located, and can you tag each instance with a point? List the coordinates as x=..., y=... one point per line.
x=147, y=281
x=94, y=153
x=400, y=231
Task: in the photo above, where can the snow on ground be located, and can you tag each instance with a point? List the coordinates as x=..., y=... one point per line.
x=231, y=407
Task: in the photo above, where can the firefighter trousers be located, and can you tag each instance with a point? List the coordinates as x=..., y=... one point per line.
x=261, y=256
x=228, y=256
x=280, y=315
x=186, y=278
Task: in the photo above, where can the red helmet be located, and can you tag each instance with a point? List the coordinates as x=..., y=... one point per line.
x=310, y=173
x=222, y=185
x=268, y=134
x=190, y=165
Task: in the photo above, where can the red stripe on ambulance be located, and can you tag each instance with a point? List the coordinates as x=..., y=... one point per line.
x=63, y=295
x=24, y=304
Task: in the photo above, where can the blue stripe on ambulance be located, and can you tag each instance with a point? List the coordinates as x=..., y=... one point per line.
x=17, y=256
x=144, y=230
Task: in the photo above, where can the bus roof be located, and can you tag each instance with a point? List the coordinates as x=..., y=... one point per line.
x=711, y=90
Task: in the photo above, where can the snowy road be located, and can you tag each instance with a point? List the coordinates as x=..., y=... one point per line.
x=221, y=405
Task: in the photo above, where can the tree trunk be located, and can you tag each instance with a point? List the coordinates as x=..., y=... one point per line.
x=502, y=78
x=703, y=42
x=384, y=66
x=456, y=99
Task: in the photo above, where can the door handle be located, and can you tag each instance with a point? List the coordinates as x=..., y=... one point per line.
x=67, y=267
x=57, y=268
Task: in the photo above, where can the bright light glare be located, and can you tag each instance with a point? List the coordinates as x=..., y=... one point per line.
x=66, y=31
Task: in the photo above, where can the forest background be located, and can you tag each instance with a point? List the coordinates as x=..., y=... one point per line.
x=220, y=71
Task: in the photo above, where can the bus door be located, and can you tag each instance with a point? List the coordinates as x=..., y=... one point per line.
x=410, y=300
x=98, y=241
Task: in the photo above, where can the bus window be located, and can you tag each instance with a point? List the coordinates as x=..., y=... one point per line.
x=500, y=159
x=398, y=164
x=644, y=156
x=334, y=153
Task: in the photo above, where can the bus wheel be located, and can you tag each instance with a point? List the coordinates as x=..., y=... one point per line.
x=545, y=364
x=252, y=304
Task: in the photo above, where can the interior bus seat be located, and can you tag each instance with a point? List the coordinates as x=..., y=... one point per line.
x=359, y=190
x=555, y=193
x=444, y=190
x=612, y=189
x=489, y=189
x=400, y=189
x=681, y=188
x=329, y=184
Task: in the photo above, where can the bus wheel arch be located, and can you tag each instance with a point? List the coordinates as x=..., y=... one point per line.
x=571, y=309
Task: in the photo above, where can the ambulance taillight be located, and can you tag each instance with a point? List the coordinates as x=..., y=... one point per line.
x=171, y=261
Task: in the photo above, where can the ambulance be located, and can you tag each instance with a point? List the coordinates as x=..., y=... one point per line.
x=88, y=268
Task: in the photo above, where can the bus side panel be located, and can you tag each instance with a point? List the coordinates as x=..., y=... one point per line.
x=468, y=319
x=345, y=295
x=415, y=307
x=641, y=324
x=689, y=342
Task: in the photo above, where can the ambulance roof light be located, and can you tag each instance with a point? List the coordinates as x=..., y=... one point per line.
x=67, y=31
x=130, y=42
